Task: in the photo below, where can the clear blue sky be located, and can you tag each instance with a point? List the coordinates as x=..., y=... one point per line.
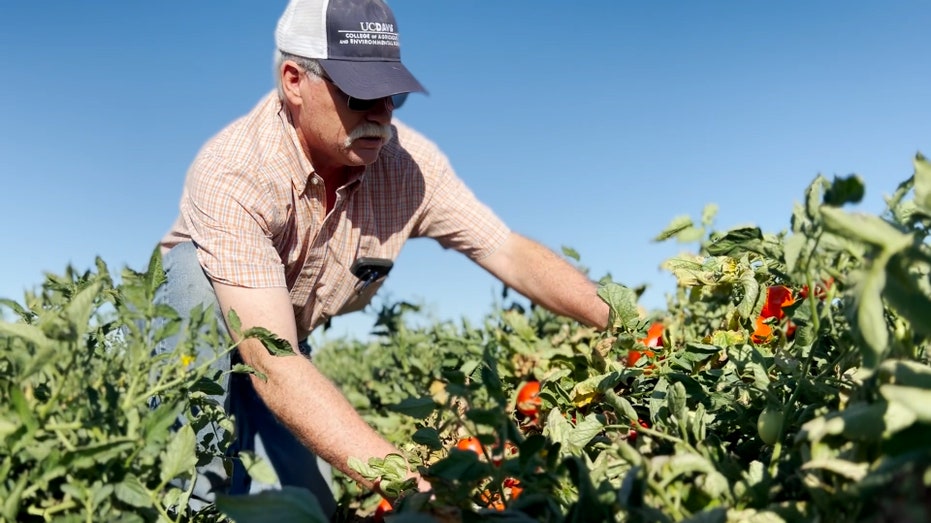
x=586, y=124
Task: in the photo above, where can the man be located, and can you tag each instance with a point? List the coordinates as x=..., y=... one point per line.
x=278, y=207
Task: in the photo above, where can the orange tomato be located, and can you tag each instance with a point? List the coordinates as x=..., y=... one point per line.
x=528, y=399
x=383, y=508
x=470, y=444
x=777, y=297
x=653, y=339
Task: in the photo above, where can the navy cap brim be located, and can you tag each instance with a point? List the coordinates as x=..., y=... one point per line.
x=370, y=79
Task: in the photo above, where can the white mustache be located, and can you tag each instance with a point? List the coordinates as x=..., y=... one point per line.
x=370, y=130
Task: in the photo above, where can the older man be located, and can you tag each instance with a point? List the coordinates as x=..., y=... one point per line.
x=291, y=215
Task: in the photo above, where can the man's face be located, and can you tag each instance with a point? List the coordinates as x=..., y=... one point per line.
x=338, y=130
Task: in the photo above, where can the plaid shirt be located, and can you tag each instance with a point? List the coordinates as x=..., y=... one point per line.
x=254, y=206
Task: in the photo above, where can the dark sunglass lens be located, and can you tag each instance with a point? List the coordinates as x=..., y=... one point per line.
x=398, y=100
x=358, y=104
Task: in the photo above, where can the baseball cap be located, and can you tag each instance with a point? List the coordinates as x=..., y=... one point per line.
x=355, y=41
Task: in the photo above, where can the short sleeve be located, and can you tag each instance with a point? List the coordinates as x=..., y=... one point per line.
x=457, y=219
x=231, y=216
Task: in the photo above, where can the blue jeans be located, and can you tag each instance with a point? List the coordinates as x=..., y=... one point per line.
x=256, y=428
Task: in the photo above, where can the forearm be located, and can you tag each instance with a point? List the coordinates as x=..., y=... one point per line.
x=548, y=280
x=295, y=391
x=316, y=412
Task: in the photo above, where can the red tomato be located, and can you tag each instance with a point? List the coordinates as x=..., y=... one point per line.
x=777, y=297
x=654, y=337
x=653, y=340
x=528, y=399
x=383, y=508
x=470, y=444
x=632, y=433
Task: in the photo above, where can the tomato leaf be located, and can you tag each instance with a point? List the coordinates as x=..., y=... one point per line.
x=180, y=456
x=678, y=224
x=869, y=315
x=571, y=253
x=742, y=239
x=912, y=398
x=622, y=301
x=923, y=184
x=844, y=190
x=132, y=492
x=259, y=469
x=275, y=345
x=418, y=408
x=287, y=504
x=865, y=228
x=428, y=436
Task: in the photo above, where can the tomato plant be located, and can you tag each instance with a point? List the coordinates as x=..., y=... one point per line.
x=824, y=423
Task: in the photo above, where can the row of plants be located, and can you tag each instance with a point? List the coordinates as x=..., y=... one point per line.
x=787, y=379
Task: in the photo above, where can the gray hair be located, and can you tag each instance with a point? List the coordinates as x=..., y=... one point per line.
x=310, y=66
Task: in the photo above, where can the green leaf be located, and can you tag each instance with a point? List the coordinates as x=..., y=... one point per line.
x=259, y=469
x=678, y=224
x=620, y=405
x=180, y=456
x=571, y=253
x=848, y=469
x=288, y=505
x=914, y=399
x=132, y=492
x=586, y=391
x=418, y=408
x=583, y=432
x=429, y=437
x=622, y=302
x=742, y=239
x=904, y=293
x=923, y=184
x=844, y=190
x=792, y=250
x=905, y=372
x=28, y=333
x=675, y=401
x=870, y=314
x=751, y=294
x=155, y=273
x=234, y=323
x=865, y=228
x=708, y=214
x=275, y=345
x=23, y=409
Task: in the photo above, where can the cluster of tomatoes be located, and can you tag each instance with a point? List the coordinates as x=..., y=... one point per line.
x=777, y=298
x=511, y=486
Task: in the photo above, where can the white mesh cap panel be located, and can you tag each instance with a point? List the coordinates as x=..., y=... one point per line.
x=302, y=29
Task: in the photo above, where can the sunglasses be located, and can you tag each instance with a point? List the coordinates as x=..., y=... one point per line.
x=362, y=104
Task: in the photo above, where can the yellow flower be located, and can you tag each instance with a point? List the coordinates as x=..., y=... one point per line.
x=187, y=360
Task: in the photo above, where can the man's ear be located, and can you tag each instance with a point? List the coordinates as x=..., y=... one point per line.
x=291, y=76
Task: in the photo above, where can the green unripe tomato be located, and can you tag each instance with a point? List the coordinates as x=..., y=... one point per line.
x=769, y=425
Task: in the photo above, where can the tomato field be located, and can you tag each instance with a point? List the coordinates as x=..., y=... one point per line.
x=787, y=379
